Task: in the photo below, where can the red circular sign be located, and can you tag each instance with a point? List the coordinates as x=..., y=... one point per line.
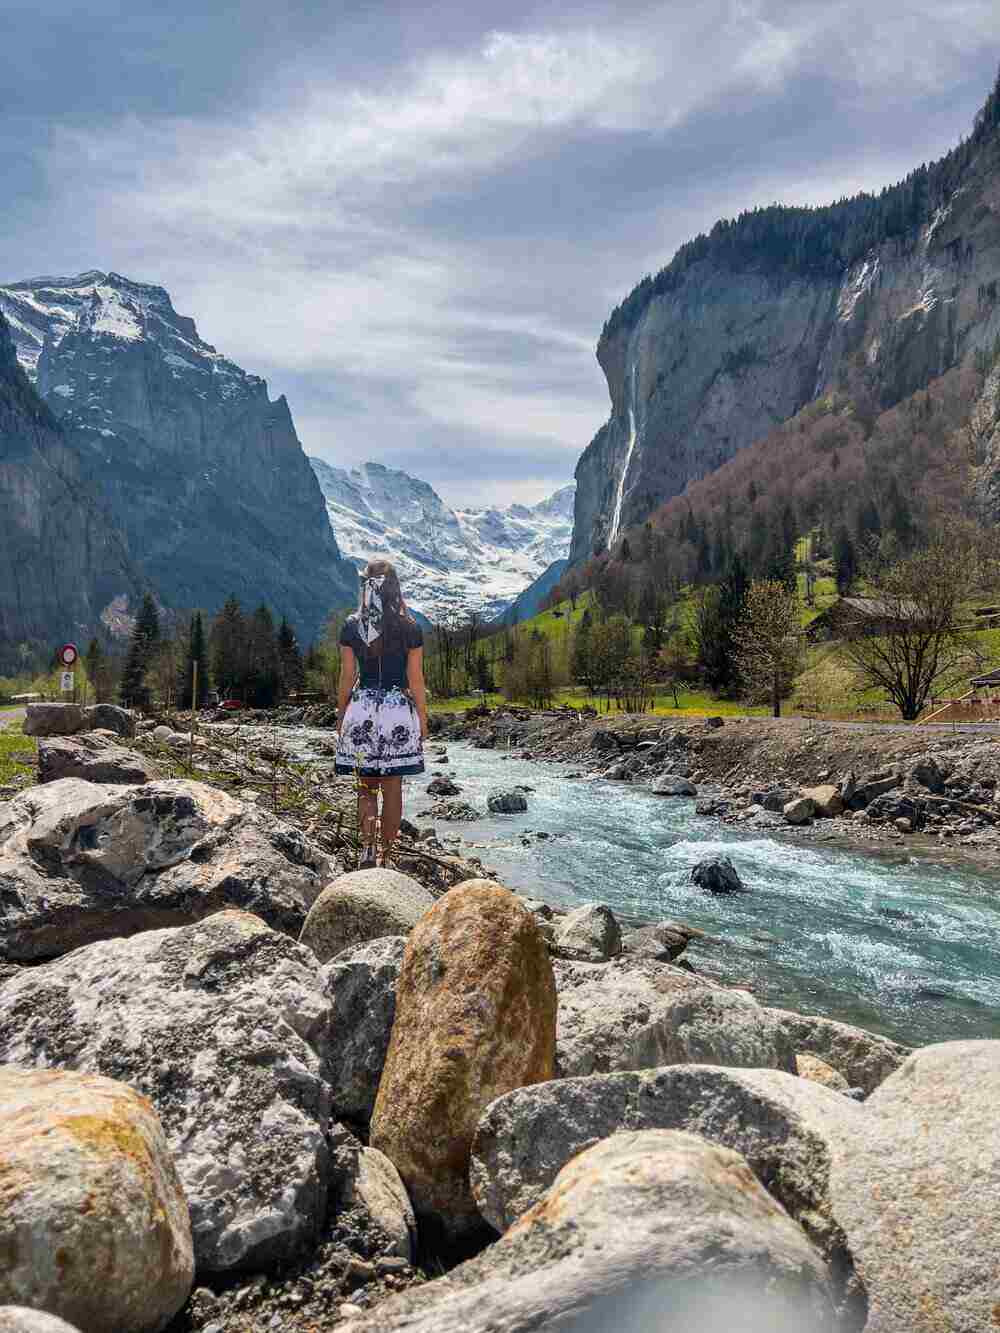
x=68, y=654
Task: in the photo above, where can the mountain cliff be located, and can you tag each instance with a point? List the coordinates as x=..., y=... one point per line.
x=62, y=560
x=202, y=472
x=451, y=561
x=874, y=296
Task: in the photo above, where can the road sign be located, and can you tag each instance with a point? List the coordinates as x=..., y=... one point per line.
x=68, y=654
x=67, y=682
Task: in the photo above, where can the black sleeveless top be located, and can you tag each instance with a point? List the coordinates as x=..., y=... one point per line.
x=393, y=665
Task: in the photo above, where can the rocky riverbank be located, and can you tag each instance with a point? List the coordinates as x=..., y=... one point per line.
x=284, y=1097
x=865, y=786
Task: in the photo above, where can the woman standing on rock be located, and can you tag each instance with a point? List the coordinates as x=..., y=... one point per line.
x=381, y=706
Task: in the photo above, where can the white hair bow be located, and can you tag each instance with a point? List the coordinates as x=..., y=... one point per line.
x=370, y=614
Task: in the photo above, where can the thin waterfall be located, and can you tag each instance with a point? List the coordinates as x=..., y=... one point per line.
x=616, y=517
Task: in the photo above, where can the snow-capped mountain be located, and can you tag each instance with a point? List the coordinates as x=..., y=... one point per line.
x=198, y=468
x=450, y=561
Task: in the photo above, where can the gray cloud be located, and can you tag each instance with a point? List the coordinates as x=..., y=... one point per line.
x=413, y=219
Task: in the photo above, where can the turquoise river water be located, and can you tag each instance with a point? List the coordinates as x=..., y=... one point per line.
x=894, y=943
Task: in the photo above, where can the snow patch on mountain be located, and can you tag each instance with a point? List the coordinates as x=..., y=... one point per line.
x=450, y=561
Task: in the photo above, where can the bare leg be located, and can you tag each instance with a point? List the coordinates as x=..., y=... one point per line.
x=367, y=816
x=392, y=814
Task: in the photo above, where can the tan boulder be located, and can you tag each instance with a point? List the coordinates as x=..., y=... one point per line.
x=814, y=1069
x=94, y=1224
x=826, y=798
x=475, y=1018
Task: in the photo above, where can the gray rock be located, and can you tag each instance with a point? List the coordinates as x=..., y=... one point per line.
x=443, y=787
x=221, y=1025
x=892, y=806
x=162, y=733
x=81, y=862
x=368, y=1193
x=926, y=772
x=650, y=1230
x=604, y=740
x=663, y=942
x=89, y=1188
x=360, y=988
x=636, y=1014
x=361, y=906
x=52, y=719
x=774, y=801
x=109, y=717
x=916, y=1191
x=589, y=934
x=717, y=874
x=785, y=1127
x=864, y=1058
x=672, y=786
x=19, y=1319
x=94, y=759
x=452, y=811
x=507, y=802
x=799, y=810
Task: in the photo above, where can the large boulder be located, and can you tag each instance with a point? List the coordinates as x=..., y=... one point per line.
x=52, y=719
x=662, y=943
x=648, y=1230
x=637, y=1014
x=786, y=1128
x=19, y=1319
x=369, y=1197
x=863, y=1058
x=673, y=786
x=917, y=1191
x=109, y=717
x=219, y=1024
x=826, y=799
x=507, y=802
x=81, y=862
x=589, y=933
x=93, y=1221
x=94, y=758
x=717, y=874
x=443, y=787
x=475, y=1017
x=360, y=988
x=799, y=810
x=361, y=906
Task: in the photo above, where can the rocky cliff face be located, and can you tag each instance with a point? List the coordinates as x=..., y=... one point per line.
x=62, y=560
x=729, y=350
x=200, y=469
x=450, y=561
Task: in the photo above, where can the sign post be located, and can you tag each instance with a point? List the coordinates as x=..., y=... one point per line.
x=68, y=656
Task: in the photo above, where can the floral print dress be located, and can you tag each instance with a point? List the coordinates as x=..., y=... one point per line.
x=380, y=731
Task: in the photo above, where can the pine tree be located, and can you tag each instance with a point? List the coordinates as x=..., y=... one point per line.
x=145, y=635
x=290, y=659
x=229, y=649
x=196, y=652
x=845, y=560
x=263, y=681
x=98, y=671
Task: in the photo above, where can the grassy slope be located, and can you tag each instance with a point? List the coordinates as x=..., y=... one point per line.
x=13, y=743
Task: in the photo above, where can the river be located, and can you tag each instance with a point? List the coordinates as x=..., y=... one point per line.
x=893, y=943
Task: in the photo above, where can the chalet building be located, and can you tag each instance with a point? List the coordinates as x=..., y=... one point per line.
x=856, y=617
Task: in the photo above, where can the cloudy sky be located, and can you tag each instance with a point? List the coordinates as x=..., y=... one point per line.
x=413, y=218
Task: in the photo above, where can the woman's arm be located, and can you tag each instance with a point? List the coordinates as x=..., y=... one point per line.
x=415, y=680
x=346, y=683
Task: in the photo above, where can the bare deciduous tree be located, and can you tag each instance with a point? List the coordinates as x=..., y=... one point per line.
x=769, y=643
x=919, y=642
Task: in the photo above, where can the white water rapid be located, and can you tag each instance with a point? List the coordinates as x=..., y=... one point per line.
x=616, y=517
